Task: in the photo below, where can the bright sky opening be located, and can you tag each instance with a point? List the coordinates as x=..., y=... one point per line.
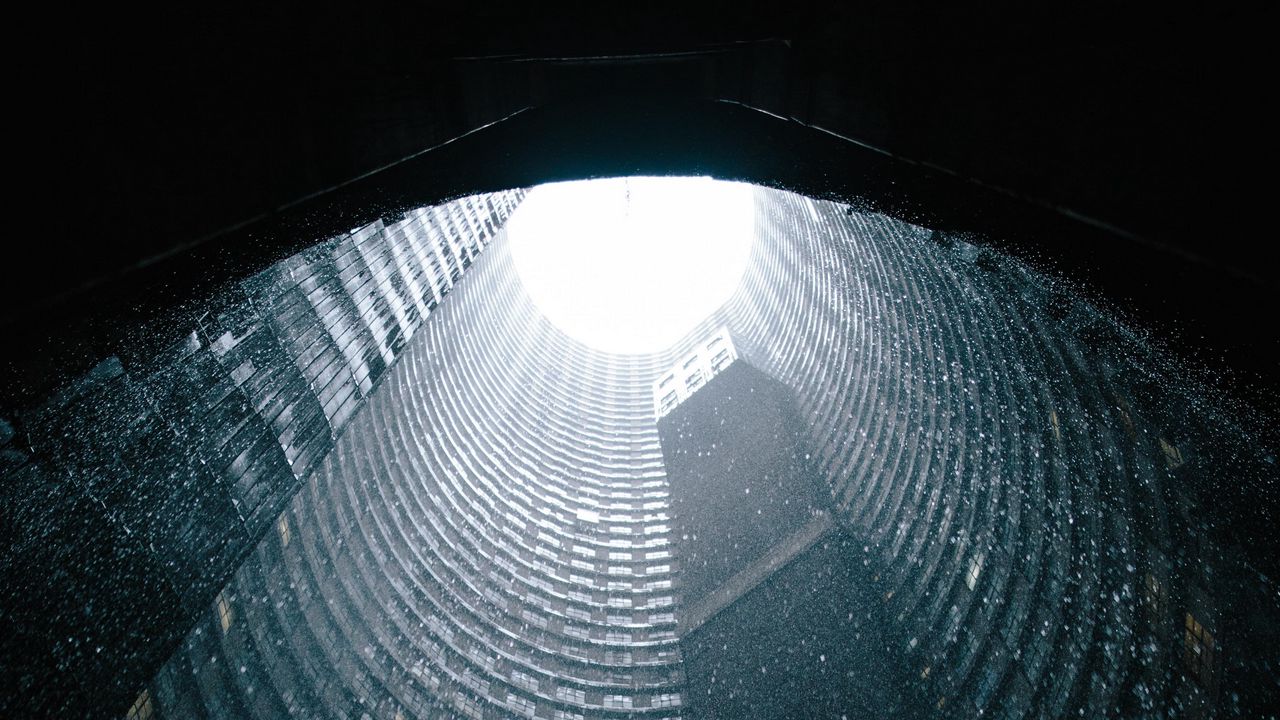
x=631, y=265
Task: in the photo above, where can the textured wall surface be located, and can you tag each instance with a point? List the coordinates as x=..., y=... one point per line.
x=490, y=538
x=134, y=493
x=1051, y=510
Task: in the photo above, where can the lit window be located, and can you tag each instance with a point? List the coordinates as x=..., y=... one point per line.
x=285, y=533
x=524, y=680
x=1198, y=652
x=141, y=708
x=1172, y=455
x=1053, y=421
x=521, y=705
x=617, y=701
x=568, y=694
x=225, y=613
x=975, y=569
x=666, y=700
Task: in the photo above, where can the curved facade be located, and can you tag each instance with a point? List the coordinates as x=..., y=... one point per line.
x=1043, y=506
x=489, y=538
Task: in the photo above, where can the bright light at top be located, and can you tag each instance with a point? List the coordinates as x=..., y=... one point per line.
x=631, y=265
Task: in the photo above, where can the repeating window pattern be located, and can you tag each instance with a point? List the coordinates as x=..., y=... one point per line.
x=693, y=371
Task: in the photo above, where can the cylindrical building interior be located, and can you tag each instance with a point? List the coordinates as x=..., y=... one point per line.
x=374, y=480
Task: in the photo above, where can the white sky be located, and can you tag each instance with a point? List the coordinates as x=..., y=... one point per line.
x=631, y=265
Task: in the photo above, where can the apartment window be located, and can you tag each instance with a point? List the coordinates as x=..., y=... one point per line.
x=469, y=706
x=225, y=613
x=975, y=569
x=694, y=380
x=617, y=701
x=655, y=569
x=1198, y=652
x=1053, y=422
x=521, y=705
x=666, y=700
x=285, y=533
x=524, y=680
x=569, y=694
x=567, y=715
x=142, y=708
x=1172, y=455
x=619, y=556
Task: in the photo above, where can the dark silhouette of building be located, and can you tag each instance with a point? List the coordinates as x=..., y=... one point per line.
x=776, y=617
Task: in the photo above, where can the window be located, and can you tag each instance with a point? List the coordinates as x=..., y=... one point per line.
x=521, y=705
x=617, y=701
x=975, y=569
x=1053, y=422
x=141, y=708
x=285, y=534
x=1198, y=652
x=468, y=705
x=1172, y=455
x=569, y=694
x=225, y=613
x=694, y=380
x=666, y=700
x=524, y=680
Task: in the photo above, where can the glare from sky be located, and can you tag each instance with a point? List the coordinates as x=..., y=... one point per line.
x=631, y=265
